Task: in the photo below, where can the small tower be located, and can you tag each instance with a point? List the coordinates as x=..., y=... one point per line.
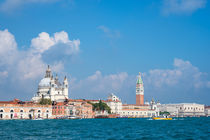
x=52, y=87
x=56, y=77
x=48, y=72
x=65, y=87
x=139, y=91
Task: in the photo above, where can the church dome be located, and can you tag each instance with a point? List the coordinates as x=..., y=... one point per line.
x=45, y=82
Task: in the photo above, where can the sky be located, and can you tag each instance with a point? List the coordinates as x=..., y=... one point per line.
x=102, y=45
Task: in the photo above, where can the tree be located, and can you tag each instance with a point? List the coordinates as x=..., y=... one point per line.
x=101, y=106
x=44, y=101
x=164, y=113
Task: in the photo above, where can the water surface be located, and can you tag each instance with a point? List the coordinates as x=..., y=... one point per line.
x=122, y=128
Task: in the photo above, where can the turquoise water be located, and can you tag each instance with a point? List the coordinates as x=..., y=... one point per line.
x=183, y=128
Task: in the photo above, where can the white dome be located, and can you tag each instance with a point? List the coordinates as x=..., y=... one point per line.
x=44, y=82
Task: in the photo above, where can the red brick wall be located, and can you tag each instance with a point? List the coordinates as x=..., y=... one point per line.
x=139, y=99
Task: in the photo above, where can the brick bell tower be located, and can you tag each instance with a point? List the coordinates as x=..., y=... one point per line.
x=139, y=91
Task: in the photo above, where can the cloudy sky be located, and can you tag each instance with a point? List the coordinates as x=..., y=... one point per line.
x=101, y=45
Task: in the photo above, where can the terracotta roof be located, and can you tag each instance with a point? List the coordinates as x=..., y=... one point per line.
x=6, y=102
x=15, y=101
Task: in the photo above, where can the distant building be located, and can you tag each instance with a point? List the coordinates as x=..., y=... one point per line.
x=51, y=88
x=183, y=109
x=207, y=111
x=132, y=110
x=17, y=109
x=60, y=109
x=138, y=111
x=114, y=103
x=139, y=91
x=77, y=108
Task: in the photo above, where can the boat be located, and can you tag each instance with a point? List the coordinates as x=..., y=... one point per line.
x=162, y=118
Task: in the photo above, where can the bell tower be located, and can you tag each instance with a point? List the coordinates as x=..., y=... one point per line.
x=139, y=91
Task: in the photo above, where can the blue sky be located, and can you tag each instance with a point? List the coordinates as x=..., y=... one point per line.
x=101, y=45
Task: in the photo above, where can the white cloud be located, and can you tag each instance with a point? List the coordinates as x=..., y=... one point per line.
x=33, y=65
x=182, y=6
x=182, y=80
x=99, y=85
x=183, y=73
x=25, y=67
x=7, y=42
x=44, y=42
x=8, y=47
x=30, y=67
x=58, y=67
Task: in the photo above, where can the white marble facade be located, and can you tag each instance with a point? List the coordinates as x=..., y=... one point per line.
x=51, y=88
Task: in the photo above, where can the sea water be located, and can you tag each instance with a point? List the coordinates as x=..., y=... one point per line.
x=122, y=128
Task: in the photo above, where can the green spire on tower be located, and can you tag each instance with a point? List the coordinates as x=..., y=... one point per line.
x=139, y=80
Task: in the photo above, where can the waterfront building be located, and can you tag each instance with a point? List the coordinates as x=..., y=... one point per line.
x=72, y=107
x=207, y=111
x=138, y=111
x=183, y=109
x=59, y=109
x=17, y=109
x=81, y=108
x=114, y=103
x=51, y=88
x=139, y=91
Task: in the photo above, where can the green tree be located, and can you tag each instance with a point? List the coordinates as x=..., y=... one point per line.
x=101, y=106
x=164, y=113
x=45, y=101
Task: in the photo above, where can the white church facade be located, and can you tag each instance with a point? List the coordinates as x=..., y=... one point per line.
x=51, y=88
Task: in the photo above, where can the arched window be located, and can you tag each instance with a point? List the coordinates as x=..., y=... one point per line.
x=1, y=115
x=11, y=110
x=39, y=110
x=21, y=110
x=47, y=111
